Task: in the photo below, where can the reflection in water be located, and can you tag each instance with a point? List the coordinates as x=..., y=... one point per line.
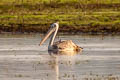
x=56, y=67
x=68, y=53
x=55, y=55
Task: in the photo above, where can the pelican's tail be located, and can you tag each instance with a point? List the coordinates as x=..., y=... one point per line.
x=79, y=49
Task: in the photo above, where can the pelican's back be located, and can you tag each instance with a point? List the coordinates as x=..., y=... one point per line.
x=67, y=45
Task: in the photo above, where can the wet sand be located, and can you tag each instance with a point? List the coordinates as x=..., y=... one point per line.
x=22, y=59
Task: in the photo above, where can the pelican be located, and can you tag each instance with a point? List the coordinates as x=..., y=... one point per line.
x=66, y=45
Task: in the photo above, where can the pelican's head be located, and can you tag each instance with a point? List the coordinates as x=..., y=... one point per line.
x=53, y=27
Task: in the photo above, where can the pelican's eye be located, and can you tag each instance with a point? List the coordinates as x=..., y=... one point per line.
x=53, y=25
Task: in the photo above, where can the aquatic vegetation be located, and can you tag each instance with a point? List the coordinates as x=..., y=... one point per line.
x=98, y=77
x=18, y=75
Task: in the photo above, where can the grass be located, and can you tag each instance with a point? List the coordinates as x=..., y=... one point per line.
x=59, y=1
x=74, y=15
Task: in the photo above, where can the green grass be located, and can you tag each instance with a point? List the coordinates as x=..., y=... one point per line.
x=69, y=18
x=60, y=1
x=74, y=15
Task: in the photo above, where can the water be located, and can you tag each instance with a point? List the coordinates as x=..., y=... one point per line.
x=22, y=59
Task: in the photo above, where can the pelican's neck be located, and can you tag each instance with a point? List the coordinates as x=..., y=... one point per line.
x=53, y=35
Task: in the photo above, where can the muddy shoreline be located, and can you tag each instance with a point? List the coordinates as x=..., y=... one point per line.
x=64, y=29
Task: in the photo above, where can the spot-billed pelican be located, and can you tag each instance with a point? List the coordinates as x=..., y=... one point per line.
x=67, y=45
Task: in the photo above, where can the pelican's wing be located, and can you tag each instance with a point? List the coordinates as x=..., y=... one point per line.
x=64, y=45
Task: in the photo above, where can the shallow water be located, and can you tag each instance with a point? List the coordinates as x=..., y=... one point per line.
x=22, y=59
